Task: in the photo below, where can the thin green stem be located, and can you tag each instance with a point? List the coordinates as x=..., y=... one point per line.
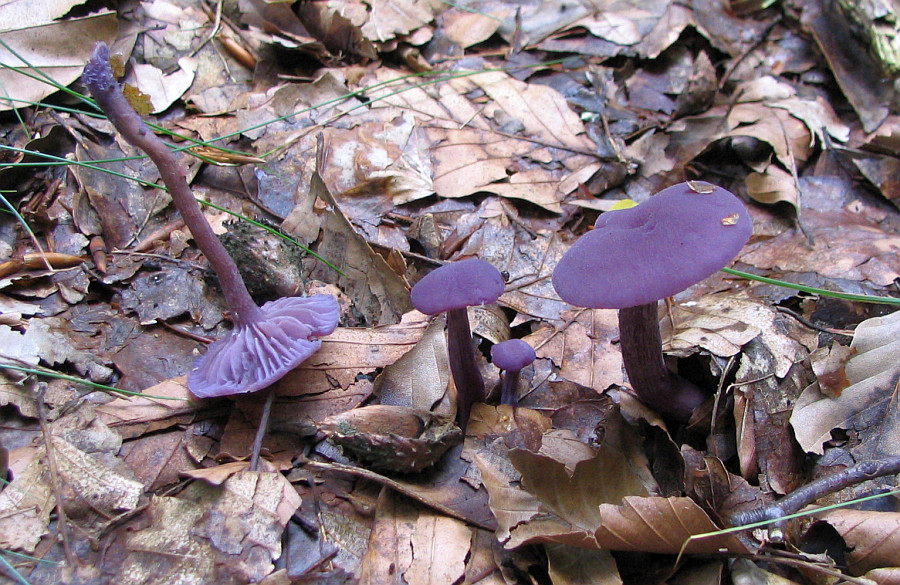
x=814, y=290
x=94, y=385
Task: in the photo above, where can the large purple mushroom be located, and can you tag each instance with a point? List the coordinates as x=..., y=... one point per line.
x=511, y=356
x=635, y=257
x=453, y=288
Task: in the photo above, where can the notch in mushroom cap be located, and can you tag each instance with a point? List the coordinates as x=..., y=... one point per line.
x=259, y=351
x=635, y=257
x=453, y=288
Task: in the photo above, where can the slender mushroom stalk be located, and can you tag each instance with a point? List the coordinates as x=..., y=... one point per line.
x=266, y=342
x=463, y=367
x=453, y=288
x=657, y=385
x=635, y=257
x=511, y=356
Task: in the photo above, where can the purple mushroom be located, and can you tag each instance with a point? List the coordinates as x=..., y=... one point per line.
x=266, y=342
x=453, y=288
x=511, y=355
x=635, y=257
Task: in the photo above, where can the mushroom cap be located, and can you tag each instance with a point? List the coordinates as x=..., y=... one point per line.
x=259, y=351
x=634, y=256
x=457, y=285
x=512, y=354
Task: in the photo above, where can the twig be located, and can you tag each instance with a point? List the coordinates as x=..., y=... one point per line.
x=61, y=518
x=811, y=325
x=819, y=488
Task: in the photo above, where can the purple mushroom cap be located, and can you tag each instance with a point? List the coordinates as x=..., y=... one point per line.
x=466, y=283
x=668, y=243
x=259, y=351
x=512, y=354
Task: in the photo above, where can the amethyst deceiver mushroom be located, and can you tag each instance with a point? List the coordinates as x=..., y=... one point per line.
x=511, y=356
x=453, y=288
x=635, y=257
x=266, y=342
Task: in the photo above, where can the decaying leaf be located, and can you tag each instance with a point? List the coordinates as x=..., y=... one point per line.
x=380, y=294
x=210, y=532
x=393, y=438
x=94, y=485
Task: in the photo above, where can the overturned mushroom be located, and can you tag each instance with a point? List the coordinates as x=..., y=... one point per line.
x=266, y=342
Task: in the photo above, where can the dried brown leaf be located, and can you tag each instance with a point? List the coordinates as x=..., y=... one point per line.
x=419, y=378
x=379, y=294
x=138, y=415
x=573, y=566
x=583, y=349
x=440, y=547
x=57, y=46
x=211, y=533
x=389, y=549
x=865, y=250
x=660, y=525
x=574, y=497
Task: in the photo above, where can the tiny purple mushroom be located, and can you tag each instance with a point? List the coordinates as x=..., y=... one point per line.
x=266, y=342
x=453, y=288
x=511, y=355
x=635, y=257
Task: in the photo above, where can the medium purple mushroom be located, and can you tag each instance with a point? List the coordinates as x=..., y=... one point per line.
x=511, y=355
x=453, y=288
x=635, y=257
x=266, y=342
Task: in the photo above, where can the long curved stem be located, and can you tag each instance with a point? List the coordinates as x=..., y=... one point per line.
x=105, y=89
x=652, y=381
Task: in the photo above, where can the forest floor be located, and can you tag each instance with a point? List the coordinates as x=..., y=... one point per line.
x=349, y=147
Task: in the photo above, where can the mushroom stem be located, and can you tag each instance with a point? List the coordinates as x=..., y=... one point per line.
x=466, y=376
x=651, y=379
x=262, y=429
x=104, y=88
x=509, y=388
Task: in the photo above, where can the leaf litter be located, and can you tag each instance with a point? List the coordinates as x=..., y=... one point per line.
x=390, y=137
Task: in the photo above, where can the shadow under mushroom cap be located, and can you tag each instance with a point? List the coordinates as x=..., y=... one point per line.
x=259, y=352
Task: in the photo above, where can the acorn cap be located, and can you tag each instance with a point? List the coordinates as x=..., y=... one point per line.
x=512, y=355
x=259, y=352
x=668, y=243
x=457, y=285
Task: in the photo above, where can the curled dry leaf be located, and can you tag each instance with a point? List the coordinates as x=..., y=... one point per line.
x=393, y=438
x=872, y=537
x=868, y=406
